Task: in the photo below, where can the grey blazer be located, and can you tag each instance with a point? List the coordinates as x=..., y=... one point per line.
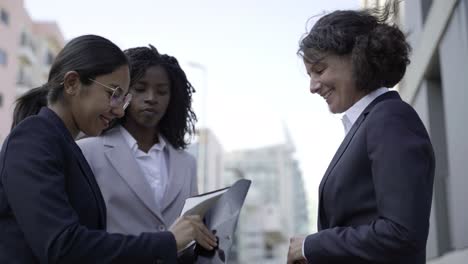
x=130, y=204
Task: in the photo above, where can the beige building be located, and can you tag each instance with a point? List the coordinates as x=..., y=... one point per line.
x=27, y=49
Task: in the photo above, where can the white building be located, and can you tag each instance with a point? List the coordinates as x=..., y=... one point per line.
x=209, y=154
x=436, y=85
x=275, y=207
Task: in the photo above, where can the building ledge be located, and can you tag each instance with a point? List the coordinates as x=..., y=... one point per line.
x=454, y=257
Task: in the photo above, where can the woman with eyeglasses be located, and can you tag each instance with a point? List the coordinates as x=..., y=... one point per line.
x=141, y=166
x=51, y=208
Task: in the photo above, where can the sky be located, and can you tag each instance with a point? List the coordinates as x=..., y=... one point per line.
x=241, y=57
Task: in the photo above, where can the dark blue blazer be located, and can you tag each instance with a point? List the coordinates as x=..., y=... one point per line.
x=51, y=208
x=375, y=197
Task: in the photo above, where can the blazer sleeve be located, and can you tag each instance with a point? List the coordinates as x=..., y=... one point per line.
x=402, y=170
x=34, y=183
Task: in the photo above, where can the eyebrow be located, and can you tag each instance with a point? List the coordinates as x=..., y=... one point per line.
x=168, y=83
x=317, y=60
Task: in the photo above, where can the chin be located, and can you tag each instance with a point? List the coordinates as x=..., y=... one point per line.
x=93, y=132
x=333, y=110
x=148, y=123
x=336, y=110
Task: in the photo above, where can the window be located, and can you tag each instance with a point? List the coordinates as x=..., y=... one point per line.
x=21, y=76
x=4, y=17
x=3, y=57
x=23, y=39
x=49, y=59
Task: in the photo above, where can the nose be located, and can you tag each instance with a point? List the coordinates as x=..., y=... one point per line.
x=118, y=112
x=150, y=96
x=315, y=84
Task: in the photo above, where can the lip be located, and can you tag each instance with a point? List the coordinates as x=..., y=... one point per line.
x=105, y=121
x=326, y=94
x=149, y=110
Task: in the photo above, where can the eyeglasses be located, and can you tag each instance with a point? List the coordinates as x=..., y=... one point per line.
x=118, y=97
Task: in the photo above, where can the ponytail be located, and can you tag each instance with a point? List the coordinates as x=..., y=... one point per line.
x=29, y=104
x=88, y=55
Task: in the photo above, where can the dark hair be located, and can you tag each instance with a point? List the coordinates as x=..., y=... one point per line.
x=89, y=55
x=179, y=119
x=378, y=49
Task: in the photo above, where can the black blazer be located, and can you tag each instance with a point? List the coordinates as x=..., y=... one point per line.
x=375, y=197
x=51, y=208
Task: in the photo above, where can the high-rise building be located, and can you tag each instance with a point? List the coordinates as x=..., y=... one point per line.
x=27, y=49
x=275, y=207
x=209, y=154
x=435, y=84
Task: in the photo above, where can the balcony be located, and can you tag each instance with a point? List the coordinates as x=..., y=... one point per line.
x=27, y=56
x=24, y=81
x=273, y=229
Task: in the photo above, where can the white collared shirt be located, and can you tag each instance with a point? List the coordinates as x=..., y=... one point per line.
x=152, y=164
x=352, y=114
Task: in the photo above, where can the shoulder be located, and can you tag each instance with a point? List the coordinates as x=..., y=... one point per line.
x=90, y=147
x=187, y=155
x=35, y=122
x=392, y=107
x=181, y=155
x=395, y=115
x=89, y=142
x=34, y=130
x=34, y=137
x=391, y=112
x=92, y=143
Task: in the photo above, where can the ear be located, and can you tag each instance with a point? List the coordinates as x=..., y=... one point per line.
x=71, y=83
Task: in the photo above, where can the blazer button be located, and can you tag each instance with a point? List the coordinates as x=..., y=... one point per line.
x=162, y=228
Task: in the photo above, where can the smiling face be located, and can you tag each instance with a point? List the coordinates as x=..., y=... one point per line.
x=90, y=109
x=332, y=78
x=151, y=96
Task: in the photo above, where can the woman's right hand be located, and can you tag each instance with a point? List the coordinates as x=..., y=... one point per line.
x=190, y=227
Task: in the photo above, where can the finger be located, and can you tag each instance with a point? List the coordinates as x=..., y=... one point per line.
x=206, y=232
x=208, y=239
x=204, y=242
x=202, y=235
x=196, y=218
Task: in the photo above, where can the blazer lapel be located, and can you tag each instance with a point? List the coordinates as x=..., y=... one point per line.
x=92, y=182
x=176, y=176
x=341, y=149
x=84, y=166
x=121, y=157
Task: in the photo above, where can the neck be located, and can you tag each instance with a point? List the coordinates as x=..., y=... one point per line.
x=66, y=117
x=145, y=137
x=358, y=97
x=361, y=95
